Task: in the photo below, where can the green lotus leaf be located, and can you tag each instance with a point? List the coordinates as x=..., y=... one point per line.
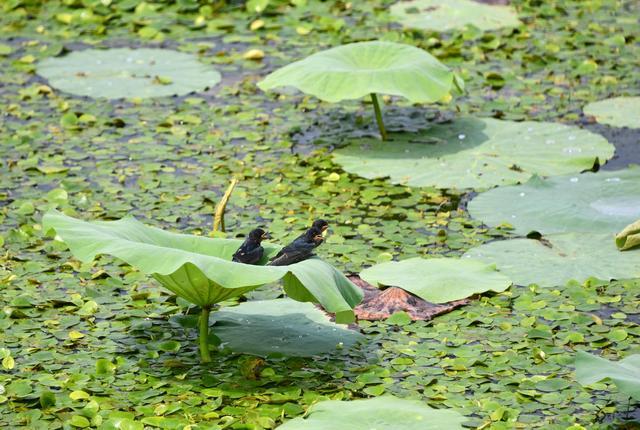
x=438, y=15
x=559, y=258
x=602, y=202
x=126, y=73
x=385, y=412
x=281, y=326
x=618, y=111
x=624, y=373
x=438, y=280
x=358, y=69
x=475, y=153
x=199, y=269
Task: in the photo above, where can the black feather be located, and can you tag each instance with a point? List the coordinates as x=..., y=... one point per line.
x=250, y=252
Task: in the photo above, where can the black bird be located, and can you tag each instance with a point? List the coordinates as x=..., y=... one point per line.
x=300, y=249
x=250, y=252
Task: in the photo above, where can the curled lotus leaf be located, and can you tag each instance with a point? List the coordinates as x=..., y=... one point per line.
x=358, y=69
x=199, y=269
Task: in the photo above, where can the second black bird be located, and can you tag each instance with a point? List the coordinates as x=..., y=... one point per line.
x=300, y=249
x=250, y=252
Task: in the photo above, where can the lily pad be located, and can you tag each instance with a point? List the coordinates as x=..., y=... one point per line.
x=126, y=73
x=475, y=153
x=624, y=373
x=559, y=258
x=358, y=69
x=385, y=412
x=603, y=202
x=618, y=111
x=199, y=269
x=448, y=15
x=281, y=326
x=438, y=280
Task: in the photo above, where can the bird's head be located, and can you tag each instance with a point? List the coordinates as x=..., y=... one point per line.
x=314, y=235
x=258, y=235
x=320, y=225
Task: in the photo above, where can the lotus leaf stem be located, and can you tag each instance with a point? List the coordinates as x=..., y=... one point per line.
x=218, y=217
x=203, y=336
x=376, y=107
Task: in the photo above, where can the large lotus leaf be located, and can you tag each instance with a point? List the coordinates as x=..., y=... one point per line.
x=126, y=73
x=380, y=413
x=624, y=373
x=475, y=153
x=619, y=111
x=359, y=69
x=199, y=269
x=602, y=202
x=448, y=15
x=559, y=258
x=281, y=326
x=438, y=280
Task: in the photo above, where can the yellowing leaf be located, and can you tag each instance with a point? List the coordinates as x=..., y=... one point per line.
x=253, y=54
x=75, y=335
x=79, y=395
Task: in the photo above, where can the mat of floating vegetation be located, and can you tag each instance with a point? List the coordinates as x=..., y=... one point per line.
x=381, y=304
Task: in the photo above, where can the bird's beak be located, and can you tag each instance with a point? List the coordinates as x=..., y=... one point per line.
x=266, y=236
x=325, y=229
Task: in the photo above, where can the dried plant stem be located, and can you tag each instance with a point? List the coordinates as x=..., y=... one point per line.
x=218, y=217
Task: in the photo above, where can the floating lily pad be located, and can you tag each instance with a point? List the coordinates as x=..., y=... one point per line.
x=358, y=69
x=618, y=111
x=438, y=15
x=126, y=73
x=386, y=412
x=559, y=258
x=438, y=280
x=476, y=153
x=281, y=326
x=603, y=202
x=199, y=269
x=624, y=373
